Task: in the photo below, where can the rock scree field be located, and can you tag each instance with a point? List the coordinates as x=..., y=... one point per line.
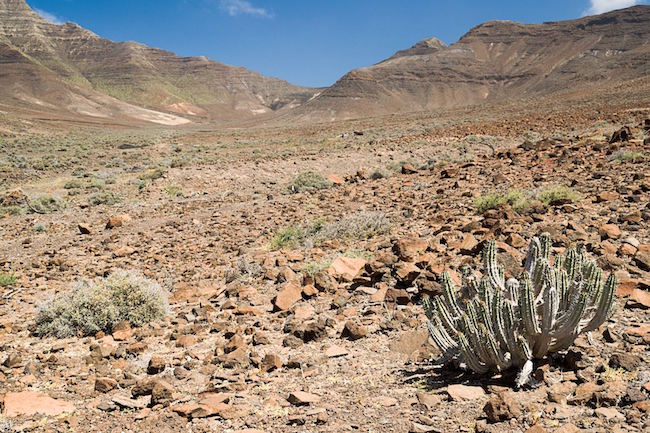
x=476, y=268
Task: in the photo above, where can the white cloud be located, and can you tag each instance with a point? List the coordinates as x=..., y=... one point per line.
x=239, y=7
x=49, y=16
x=602, y=6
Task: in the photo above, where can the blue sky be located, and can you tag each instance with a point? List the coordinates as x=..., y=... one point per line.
x=306, y=42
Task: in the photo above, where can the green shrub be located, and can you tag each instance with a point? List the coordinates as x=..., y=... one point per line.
x=628, y=156
x=308, y=181
x=73, y=184
x=46, y=204
x=39, y=228
x=10, y=210
x=98, y=305
x=362, y=225
x=288, y=237
x=153, y=174
x=378, y=174
x=175, y=191
x=107, y=198
x=7, y=280
x=493, y=201
x=558, y=195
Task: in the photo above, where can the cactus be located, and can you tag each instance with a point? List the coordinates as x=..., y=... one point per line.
x=509, y=324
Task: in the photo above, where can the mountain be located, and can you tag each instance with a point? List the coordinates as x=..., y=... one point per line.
x=493, y=61
x=70, y=71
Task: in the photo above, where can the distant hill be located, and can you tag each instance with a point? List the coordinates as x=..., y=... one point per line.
x=67, y=72
x=495, y=60
x=70, y=70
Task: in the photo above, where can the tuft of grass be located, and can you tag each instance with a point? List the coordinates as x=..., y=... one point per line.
x=379, y=174
x=7, y=280
x=152, y=174
x=308, y=181
x=98, y=305
x=558, y=195
x=73, y=184
x=362, y=225
x=10, y=210
x=39, y=228
x=492, y=201
x=175, y=191
x=107, y=198
x=46, y=204
x=628, y=156
x=313, y=267
x=288, y=237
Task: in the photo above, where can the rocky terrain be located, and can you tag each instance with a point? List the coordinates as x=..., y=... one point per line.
x=274, y=329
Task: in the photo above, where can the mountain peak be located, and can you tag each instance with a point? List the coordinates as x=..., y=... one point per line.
x=423, y=47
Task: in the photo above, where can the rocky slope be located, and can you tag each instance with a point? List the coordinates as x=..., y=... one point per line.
x=50, y=67
x=494, y=61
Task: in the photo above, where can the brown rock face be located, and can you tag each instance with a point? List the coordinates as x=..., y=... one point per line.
x=493, y=61
x=130, y=75
x=33, y=403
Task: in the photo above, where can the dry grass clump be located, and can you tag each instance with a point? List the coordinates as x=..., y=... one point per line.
x=493, y=201
x=558, y=195
x=308, y=181
x=46, y=204
x=7, y=280
x=361, y=225
x=98, y=305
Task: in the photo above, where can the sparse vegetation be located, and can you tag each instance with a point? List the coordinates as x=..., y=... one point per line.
x=7, y=280
x=107, y=198
x=46, y=204
x=288, y=237
x=39, y=228
x=10, y=210
x=558, y=195
x=628, y=156
x=362, y=225
x=98, y=305
x=511, y=323
x=494, y=200
x=308, y=181
x=152, y=174
x=175, y=191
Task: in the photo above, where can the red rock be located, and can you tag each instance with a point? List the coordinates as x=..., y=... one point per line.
x=468, y=245
x=346, y=268
x=271, y=362
x=354, y=331
x=185, y=341
x=197, y=410
x=502, y=407
x=515, y=240
x=408, y=249
x=459, y=392
x=301, y=398
x=609, y=231
x=84, y=229
x=162, y=393
x=290, y=293
x=33, y=403
x=336, y=351
x=639, y=299
x=536, y=429
x=336, y=180
x=105, y=384
x=117, y=221
x=626, y=286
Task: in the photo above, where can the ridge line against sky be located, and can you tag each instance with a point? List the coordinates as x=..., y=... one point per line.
x=306, y=43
